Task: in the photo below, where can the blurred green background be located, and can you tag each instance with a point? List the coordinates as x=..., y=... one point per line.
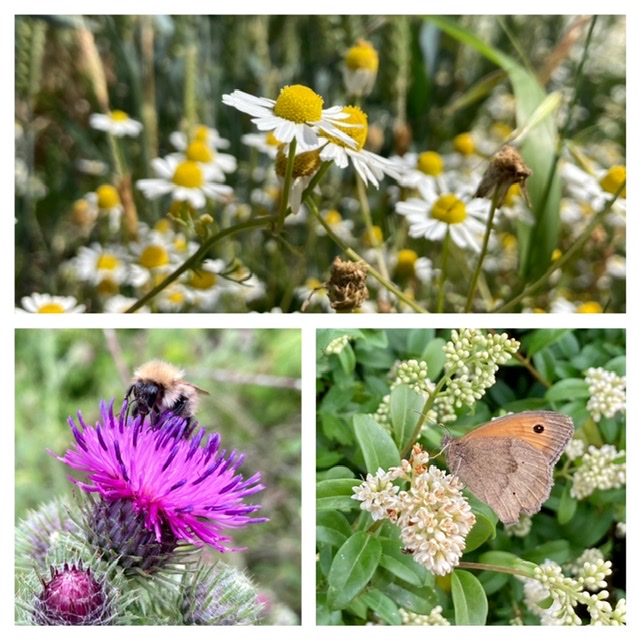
x=253, y=377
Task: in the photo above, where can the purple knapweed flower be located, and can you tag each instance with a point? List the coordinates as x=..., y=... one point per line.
x=175, y=484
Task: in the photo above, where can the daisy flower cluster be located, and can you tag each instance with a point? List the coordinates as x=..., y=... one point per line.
x=432, y=515
x=588, y=587
x=442, y=222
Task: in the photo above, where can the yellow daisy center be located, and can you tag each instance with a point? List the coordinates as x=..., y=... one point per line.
x=51, y=307
x=176, y=297
x=358, y=133
x=163, y=225
x=201, y=133
x=589, y=307
x=406, y=266
x=118, y=116
x=298, y=104
x=272, y=140
x=362, y=56
x=108, y=196
x=613, y=179
x=333, y=217
x=373, y=237
x=198, y=151
x=430, y=162
x=188, y=174
x=449, y=209
x=556, y=255
x=203, y=280
x=463, y=143
x=107, y=287
x=154, y=256
x=107, y=262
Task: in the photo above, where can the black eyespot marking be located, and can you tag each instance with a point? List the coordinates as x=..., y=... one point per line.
x=538, y=428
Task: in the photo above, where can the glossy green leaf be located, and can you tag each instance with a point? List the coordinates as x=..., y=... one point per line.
x=376, y=444
x=400, y=564
x=382, y=605
x=469, y=599
x=568, y=389
x=405, y=406
x=352, y=568
x=336, y=494
x=332, y=528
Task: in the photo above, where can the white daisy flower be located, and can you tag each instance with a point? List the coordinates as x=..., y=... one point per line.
x=97, y=264
x=45, y=303
x=216, y=164
x=154, y=257
x=370, y=166
x=185, y=181
x=121, y=304
x=117, y=123
x=432, y=215
x=264, y=142
x=419, y=167
x=211, y=137
x=107, y=199
x=296, y=114
x=360, y=68
x=342, y=228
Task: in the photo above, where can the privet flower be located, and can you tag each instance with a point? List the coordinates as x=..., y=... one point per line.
x=433, y=516
x=600, y=469
x=472, y=360
x=432, y=619
x=160, y=486
x=566, y=593
x=608, y=393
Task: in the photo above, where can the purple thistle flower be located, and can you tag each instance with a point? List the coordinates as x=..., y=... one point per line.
x=172, y=481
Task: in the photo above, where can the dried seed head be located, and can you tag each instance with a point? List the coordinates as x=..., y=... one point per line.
x=347, y=285
x=506, y=168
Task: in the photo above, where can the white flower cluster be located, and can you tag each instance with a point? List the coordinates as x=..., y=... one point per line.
x=608, y=393
x=337, y=345
x=574, y=449
x=472, y=359
x=432, y=619
x=567, y=592
x=600, y=469
x=433, y=515
x=412, y=373
x=521, y=528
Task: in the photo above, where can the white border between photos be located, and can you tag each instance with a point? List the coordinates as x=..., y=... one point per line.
x=309, y=323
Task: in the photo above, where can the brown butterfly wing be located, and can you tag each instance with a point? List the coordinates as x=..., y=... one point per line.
x=508, y=474
x=547, y=431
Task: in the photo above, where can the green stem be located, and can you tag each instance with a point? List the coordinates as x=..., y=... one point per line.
x=483, y=251
x=429, y=402
x=443, y=275
x=366, y=214
x=480, y=566
x=284, y=197
x=350, y=253
x=558, y=264
x=197, y=257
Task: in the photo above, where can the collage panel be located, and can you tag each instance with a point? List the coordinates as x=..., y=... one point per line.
x=471, y=477
x=144, y=492
x=320, y=163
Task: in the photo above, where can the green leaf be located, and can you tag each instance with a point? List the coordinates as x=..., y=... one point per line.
x=557, y=550
x=332, y=528
x=434, y=356
x=568, y=389
x=382, y=605
x=336, y=494
x=352, y=568
x=347, y=359
x=567, y=506
x=400, y=564
x=418, y=339
x=540, y=339
x=484, y=529
x=469, y=599
x=377, y=446
x=405, y=406
x=419, y=599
